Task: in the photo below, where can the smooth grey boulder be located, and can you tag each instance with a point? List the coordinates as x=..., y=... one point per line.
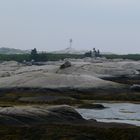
x=65, y=65
x=31, y=115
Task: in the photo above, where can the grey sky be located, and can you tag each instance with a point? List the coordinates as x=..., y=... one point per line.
x=110, y=25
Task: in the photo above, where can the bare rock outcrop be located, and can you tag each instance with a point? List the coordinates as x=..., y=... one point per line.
x=79, y=74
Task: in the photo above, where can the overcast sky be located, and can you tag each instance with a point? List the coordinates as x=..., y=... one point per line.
x=109, y=25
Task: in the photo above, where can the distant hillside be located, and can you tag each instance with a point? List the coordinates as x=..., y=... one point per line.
x=70, y=50
x=12, y=51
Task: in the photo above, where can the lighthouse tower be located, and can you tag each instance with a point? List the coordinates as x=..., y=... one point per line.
x=70, y=41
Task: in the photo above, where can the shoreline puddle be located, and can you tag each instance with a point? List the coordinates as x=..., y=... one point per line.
x=115, y=112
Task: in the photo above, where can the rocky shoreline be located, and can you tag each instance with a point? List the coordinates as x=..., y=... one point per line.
x=43, y=98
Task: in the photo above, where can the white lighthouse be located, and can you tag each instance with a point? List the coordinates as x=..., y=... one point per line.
x=70, y=41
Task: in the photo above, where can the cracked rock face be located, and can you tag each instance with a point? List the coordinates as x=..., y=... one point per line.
x=30, y=115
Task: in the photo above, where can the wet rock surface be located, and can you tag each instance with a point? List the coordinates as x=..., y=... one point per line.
x=135, y=87
x=92, y=106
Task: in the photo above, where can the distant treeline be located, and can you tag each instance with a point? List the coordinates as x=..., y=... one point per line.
x=56, y=57
x=127, y=56
x=40, y=57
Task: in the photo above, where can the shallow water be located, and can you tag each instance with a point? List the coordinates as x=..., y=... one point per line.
x=115, y=112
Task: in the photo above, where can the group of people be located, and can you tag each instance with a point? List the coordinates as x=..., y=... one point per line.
x=95, y=53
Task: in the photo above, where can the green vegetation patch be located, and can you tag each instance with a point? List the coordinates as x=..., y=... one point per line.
x=39, y=57
x=68, y=132
x=127, y=56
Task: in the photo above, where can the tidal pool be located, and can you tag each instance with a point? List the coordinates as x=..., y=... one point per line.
x=114, y=112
